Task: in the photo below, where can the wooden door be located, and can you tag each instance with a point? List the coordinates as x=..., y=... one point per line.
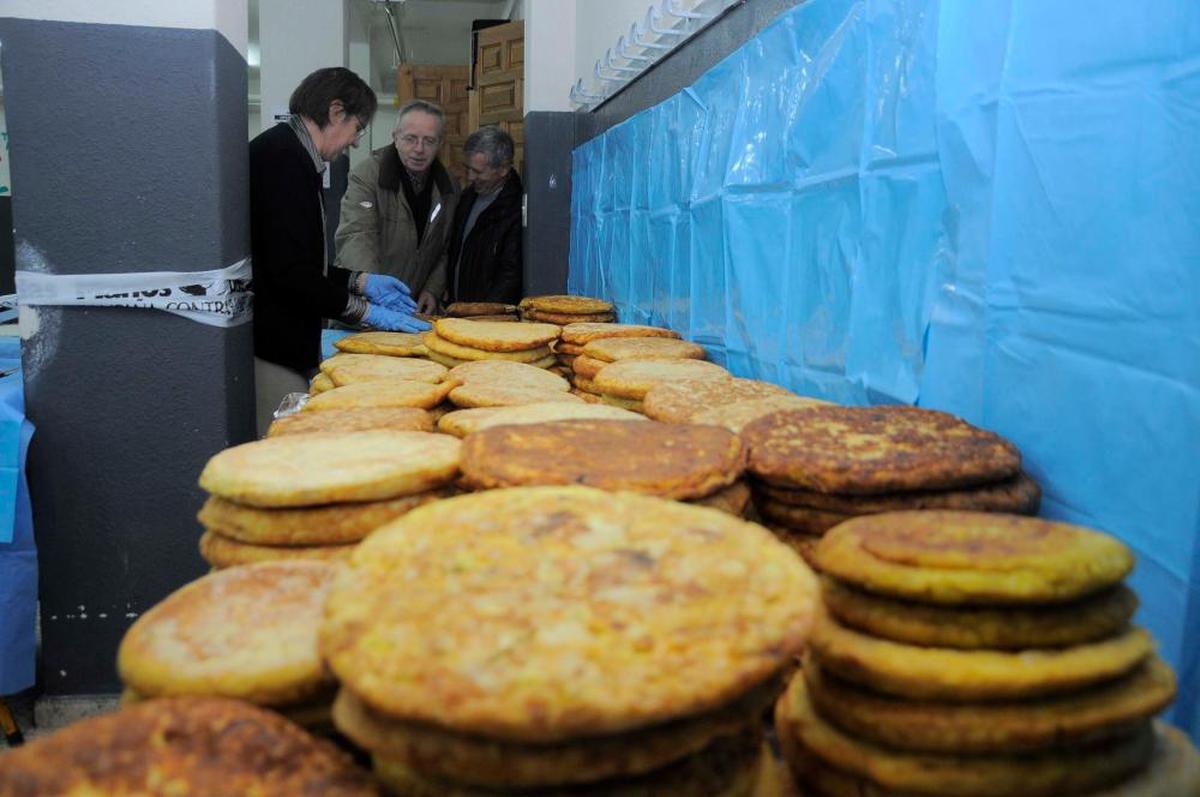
x=446, y=86
x=499, y=95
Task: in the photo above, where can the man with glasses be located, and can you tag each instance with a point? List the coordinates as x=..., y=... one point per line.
x=396, y=212
x=294, y=286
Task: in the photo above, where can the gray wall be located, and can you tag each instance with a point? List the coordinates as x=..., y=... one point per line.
x=139, y=164
x=550, y=136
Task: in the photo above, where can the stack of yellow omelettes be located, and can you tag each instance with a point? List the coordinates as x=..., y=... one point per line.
x=681, y=402
x=972, y=654
x=698, y=464
x=359, y=381
x=564, y=638
x=455, y=341
x=563, y=310
x=577, y=335
x=388, y=344
x=818, y=466
x=186, y=747
x=483, y=311
x=503, y=383
x=461, y=423
x=248, y=633
x=314, y=496
x=619, y=371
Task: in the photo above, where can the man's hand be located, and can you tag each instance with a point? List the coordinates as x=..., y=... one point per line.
x=427, y=303
x=388, y=292
x=381, y=317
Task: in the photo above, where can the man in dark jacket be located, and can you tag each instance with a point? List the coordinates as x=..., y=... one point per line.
x=294, y=286
x=485, y=243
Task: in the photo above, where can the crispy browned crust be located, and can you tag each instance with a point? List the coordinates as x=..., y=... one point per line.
x=468, y=309
x=870, y=450
x=1001, y=628
x=328, y=524
x=201, y=747
x=436, y=753
x=677, y=402
x=973, y=558
x=320, y=383
x=733, y=499
x=631, y=379
x=950, y=674
x=495, y=336
x=246, y=632
x=568, y=305
x=729, y=767
x=1019, y=495
x=401, y=419
x=417, y=369
x=1076, y=718
x=652, y=348
x=221, y=551
x=798, y=518
x=581, y=333
x=543, y=614
x=670, y=461
x=805, y=736
x=587, y=367
x=563, y=319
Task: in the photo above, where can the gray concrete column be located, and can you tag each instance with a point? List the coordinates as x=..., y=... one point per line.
x=127, y=123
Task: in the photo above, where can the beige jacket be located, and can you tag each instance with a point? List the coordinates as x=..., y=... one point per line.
x=376, y=231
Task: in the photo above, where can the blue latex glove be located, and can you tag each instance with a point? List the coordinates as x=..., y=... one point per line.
x=388, y=292
x=381, y=317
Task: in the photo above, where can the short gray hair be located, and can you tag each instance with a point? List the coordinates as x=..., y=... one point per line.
x=423, y=106
x=491, y=142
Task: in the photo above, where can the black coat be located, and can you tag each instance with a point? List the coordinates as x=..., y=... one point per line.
x=291, y=294
x=491, y=266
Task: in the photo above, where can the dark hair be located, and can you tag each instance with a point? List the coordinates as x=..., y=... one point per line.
x=423, y=106
x=322, y=88
x=492, y=142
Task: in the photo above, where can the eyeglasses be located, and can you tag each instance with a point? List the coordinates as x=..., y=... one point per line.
x=362, y=131
x=409, y=140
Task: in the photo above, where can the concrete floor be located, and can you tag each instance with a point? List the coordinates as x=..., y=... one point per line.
x=37, y=717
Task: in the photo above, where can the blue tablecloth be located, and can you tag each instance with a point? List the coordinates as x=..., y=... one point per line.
x=18, y=554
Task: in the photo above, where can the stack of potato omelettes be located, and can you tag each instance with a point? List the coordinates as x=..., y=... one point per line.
x=698, y=464
x=816, y=467
x=969, y=653
x=563, y=310
x=565, y=639
x=483, y=311
x=455, y=341
x=316, y=495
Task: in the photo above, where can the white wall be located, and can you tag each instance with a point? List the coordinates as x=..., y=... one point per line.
x=549, y=54
x=296, y=37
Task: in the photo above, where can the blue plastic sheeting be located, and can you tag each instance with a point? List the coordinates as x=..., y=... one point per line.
x=989, y=208
x=18, y=554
